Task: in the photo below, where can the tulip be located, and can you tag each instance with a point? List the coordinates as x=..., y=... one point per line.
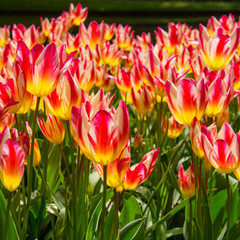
x=196, y=137
x=11, y=165
x=67, y=94
x=138, y=173
x=223, y=150
x=78, y=14
x=143, y=100
x=218, y=50
x=174, y=128
x=53, y=129
x=144, y=40
x=4, y=35
x=111, y=54
x=84, y=72
x=8, y=120
x=186, y=181
x=109, y=30
x=92, y=36
x=124, y=37
x=123, y=177
x=187, y=100
x=101, y=132
x=14, y=90
x=220, y=91
x=42, y=66
x=169, y=40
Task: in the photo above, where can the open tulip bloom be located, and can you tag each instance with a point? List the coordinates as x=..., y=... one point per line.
x=187, y=100
x=100, y=131
x=123, y=177
x=223, y=150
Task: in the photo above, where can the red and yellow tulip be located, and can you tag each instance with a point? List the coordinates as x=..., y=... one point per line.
x=53, y=129
x=223, y=150
x=187, y=100
x=219, y=49
x=101, y=132
x=186, y=181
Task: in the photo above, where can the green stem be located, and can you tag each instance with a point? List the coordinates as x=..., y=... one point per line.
x=73, y=183
x=229, y=206
x=149, y=133
x=191, y=221
x=199, y=202
x=19, y=209
x=104, y=200
x=17, y=123
x=43, y=180
x=30, y=171
x=7, y=215
x=159, y=123
x=65, y=163
x=141, y=117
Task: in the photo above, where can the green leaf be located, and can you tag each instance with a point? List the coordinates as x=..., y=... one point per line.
x=174, y=232
x=168, y=215
x=207, y=220
x=109, y=224
x=222, y=233
x=11, y=229
x=82, y=207
x=217, y=209
x=131, y=210
x=53, y=166
x=55, y=198
x=94, y=221
x=129, y=231
x=235, y=205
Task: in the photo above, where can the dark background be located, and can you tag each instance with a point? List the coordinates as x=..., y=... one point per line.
x=143, y=16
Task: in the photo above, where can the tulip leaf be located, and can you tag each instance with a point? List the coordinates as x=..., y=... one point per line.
x=129, y=231
x=207, y=220
x=222, y=233
x=131, y=210
x=95, y=217
x=11, y=229
x=174, y=232
x=109, y=224
x=168, y=215
x=53, y=167
x=234, y=205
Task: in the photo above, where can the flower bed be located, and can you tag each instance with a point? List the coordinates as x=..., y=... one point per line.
x=108, y=135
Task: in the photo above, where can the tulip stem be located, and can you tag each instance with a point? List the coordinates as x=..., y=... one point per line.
x=19, y=209
x=190, y=229
x=104, y=199
x=229, y=191
x=73, y=183
x=30, y=170
x=117, y=199
x=65, y=162
x=149, y=133
x=7, y=215
x=17, y=123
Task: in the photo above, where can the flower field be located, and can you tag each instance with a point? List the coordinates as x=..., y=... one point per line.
x=107, y=135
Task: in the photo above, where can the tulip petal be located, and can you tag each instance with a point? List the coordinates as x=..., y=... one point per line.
x=186, y=100
x=134, y=176
x=222, y=158
x=171, y=92
x=11, y=165
x=103, y=137
x=226, y=133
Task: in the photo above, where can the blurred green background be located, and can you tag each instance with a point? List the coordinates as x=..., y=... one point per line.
x=141, y=15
